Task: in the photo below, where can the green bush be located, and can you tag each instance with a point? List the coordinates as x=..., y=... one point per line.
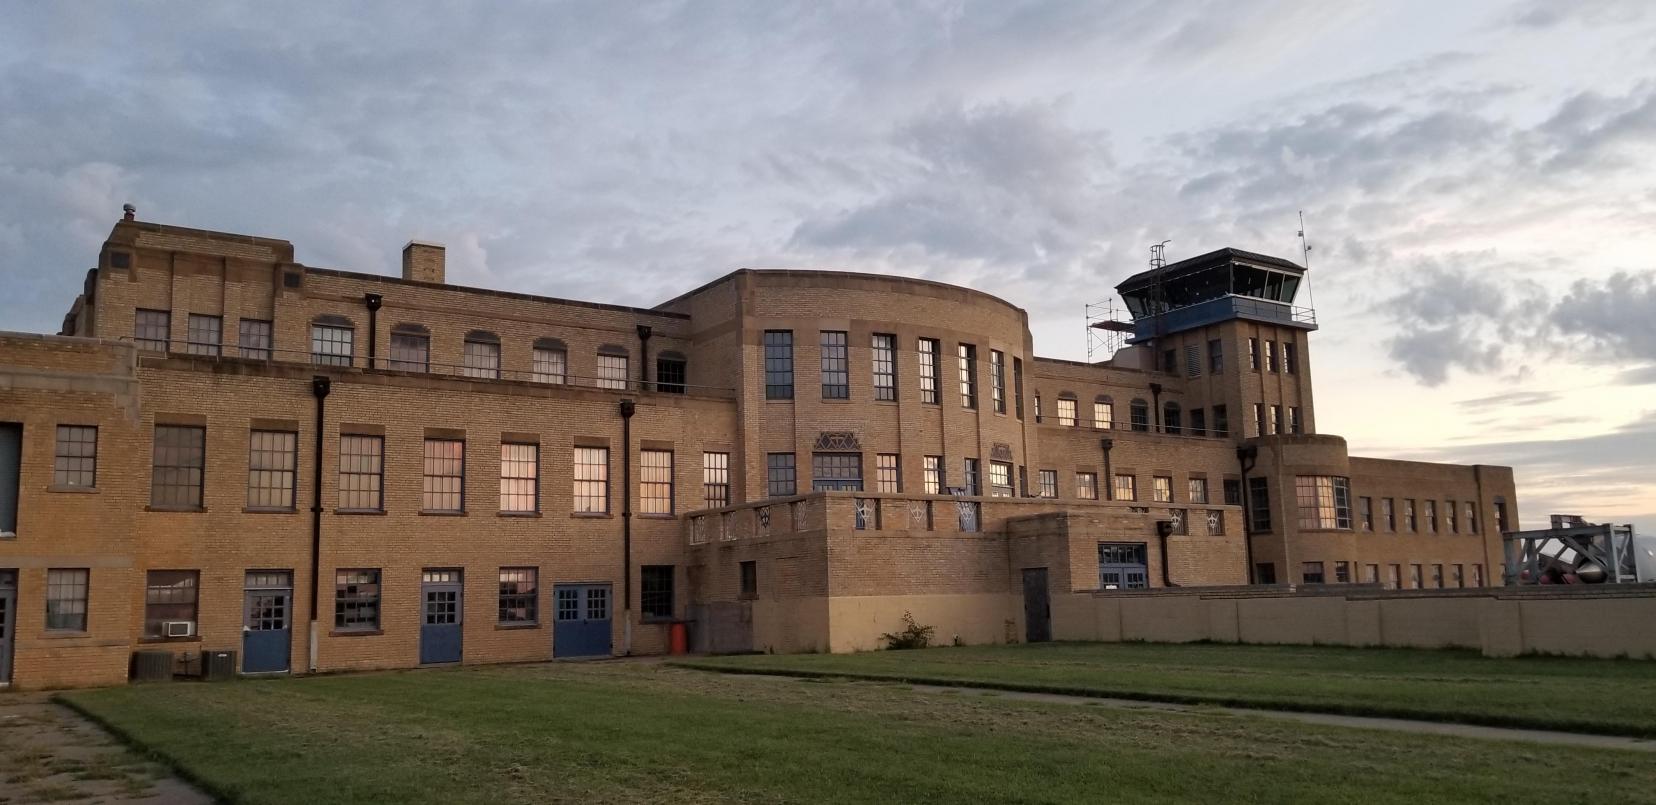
x=913, y=635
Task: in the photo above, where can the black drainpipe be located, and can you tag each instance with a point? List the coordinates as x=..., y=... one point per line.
x=1155, y=404
x=1164, y=528
x=1109, y=476
x=1247, y=455
x=373, y=301
x=644, y=333
x=320, y=386
x=628, y=408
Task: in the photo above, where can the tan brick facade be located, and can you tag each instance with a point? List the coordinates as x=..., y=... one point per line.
x=236, y=332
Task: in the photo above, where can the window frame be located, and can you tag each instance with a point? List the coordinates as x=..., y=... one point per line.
x=931, y=387
x=357, y=590
x=612, y=369
x=326, y=339
x=512, y=481
x=934, y=476
x=210, y=328
x=888, y=473
x=262, y=471
x=775, y=468
x=1086, y=485
x=549, y=364
x=1067, y=409
x=1323, y=502
x=443, y=477
x=967, y=354
x=350, y=480
x=186, y=589
x=590, y=495
x=68, y=599
x=255, y=339
x=1048, y=481
x=656, y=596
x=835, y=346
x=194, y=498
x=513, y=596
x=78, y=467
x=997, y=380
x=884, y=365
x=655, y=482
x=715, y=479
x=410, y=350
x=778, y=355
x=146, y=323
x=480, y=356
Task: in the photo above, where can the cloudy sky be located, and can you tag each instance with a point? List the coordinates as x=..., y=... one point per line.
x=1478, y=179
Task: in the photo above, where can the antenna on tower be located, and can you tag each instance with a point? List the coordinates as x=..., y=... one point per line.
x=1305, y=261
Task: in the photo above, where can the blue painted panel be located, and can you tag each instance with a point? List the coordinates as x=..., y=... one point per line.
x=267, y=636
x=581, y=620
x=440, y=627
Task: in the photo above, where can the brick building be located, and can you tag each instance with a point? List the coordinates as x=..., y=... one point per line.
x=323, y=470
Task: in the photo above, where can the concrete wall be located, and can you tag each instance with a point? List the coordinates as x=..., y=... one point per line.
x=1500, y=622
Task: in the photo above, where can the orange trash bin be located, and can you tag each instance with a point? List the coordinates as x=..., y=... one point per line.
x=679, y=637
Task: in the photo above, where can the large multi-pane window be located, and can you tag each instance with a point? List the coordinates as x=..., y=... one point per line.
x=331, y=344
x=361, y=472
x=1270, y=356
x=836, y=375
x=592, y=480
x=272, y=469
x=1000, y=479
x=1472, y=517
x=715, y=480
x=410, y=348
x=1429, y=510
x=968, y=376
x=672, y=373
x=929, y=349
x=1409, y=515
x=151, y=329
x=1066, y=411
x=1017, y=388
x=550, y=362
x=970, y=467
x=480, y=355
x=1216, y=356
x=885, y=366
x=1049, y=483
x=779, y=368
x=169, y=595
x=1161, y=488
x=1290, y=358
x=66, y=599
x=519, y=477
x=655, y=481
x=932, y=469
x=1388, y=512
x=75, y=457
x=254, y=339
x=444, y=488
x=841, y=471
x=1253, y=354
x=1103, y=413
x=997, y=380
x=1126, y=487
x=357, y=600
x=655, y=592
x=1365, y=513
x=1324, y=501
x=1139, y=413
x=1086, y=485
x=888, y=476
x=612, y=368
x=781, y=475
x=519, y=595
x=204, y=334
x=1259, y=505
x=176, y=467
x=1198, y=490
x=1450, y=523
x=1296, y=424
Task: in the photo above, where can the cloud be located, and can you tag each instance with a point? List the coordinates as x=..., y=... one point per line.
x=1616, y=315
x=1512, y=398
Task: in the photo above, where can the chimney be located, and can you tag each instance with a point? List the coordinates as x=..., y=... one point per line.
x=423, y=262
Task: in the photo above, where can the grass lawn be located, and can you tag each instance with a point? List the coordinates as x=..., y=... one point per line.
x=632, y=732
x=1583, y=695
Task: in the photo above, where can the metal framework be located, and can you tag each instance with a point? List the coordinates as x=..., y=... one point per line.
x=1574, y=551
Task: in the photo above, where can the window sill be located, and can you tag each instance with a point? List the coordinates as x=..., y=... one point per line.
x=431, y=513
x=373, y=512
x=517, y=514
x=82, y=490
x=355, y=632
x=154, y=639
x=658, y=619
x=64, y=634
x=657, y=516
x=267, y=510
x=175, y=508
x=591, y=515
x=748, y=597
x=513, y=627
x=836, y=401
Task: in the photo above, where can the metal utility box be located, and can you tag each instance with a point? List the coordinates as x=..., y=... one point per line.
x=217, y=666
x=152, y=666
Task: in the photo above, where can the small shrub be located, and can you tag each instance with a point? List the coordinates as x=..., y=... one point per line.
x=913, y=635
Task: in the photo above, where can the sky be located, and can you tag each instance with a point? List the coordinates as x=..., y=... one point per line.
x=1478, y=178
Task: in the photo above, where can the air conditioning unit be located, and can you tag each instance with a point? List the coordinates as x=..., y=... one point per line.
x=178, y=628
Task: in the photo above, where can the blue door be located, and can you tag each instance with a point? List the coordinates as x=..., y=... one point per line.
x=267, y=625
x=582, y=628
x=440, y=591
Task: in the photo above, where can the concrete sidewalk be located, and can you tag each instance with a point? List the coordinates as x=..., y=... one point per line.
x=49, y=753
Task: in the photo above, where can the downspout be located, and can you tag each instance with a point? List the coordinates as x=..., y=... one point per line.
x=1109, y=476
x=644, y=333
x=320, y=386
x=1155, y=404
x=1164, y=528
x=1246, y=456
x=628, y=408
x=373, y=301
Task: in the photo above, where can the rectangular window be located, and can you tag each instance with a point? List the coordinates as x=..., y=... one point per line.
x=1253, y=354
x=655, y=592
x=1342, y=572
x=933, y=470
x=519, y=595
x=655, y=481
x=1017, y=387
x=1388, y=512
x=362, y=473
x=410, y=352
x=66, y=599
x=997, y=380
x=1409, y=515
x=672, y=375
x=715, y=480
x=176, y=469
x=836, y=371
x=1216, y=522
x=1477, y=576
x=971, y=479
x=1221, y=421
x=1365, y=513
x=1126, y=487
x=519, y=477
x=1451, y=524
x=1312, y=572
x=444, y=485
x=779, y=368
x=1037, y=407
x=1270, y=356
x=169, y=596
x=254, y=339
x=152, y=329
x=1276, y=419
x=888, y=475
x=1192, y=360
x=781, y=476
x=1259, y=505
x=968, y=376
x=1086, y=485
x=1290, y=357
x=1198, y=490
x=1161, y=488
x=1296, y=425
x=1233, y=492
x=612, y=372
x=749, y=580
x=592, y=480
x=1430, y=511
x=1437, y=576
x=1415, y=577
x=1261, y=428
x=1458, y=577
x=75, y=458
x=1500, y=515
x=550, y=365
x=1216, y=356
x=836, y=471
x=331, y=345
x=1324, y=501
x=1049, y=483
x=885, y=366
x=1198, y=422
x=357, y=600
x=1103, y=414
x=1371, y=574
x=1000, y=479
x=205, y=334
x=1471, y=517
x=1139, y=413
x=480, y=359
x=1395, y=574
x=272, y=469
x=1121, y=566
x=1066, y=412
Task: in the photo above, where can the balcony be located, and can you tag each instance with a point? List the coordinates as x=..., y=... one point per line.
x=1223, y=308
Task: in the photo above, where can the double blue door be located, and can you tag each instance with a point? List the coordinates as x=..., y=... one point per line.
x=582, y=628
x=442, y=616
x=267, y=625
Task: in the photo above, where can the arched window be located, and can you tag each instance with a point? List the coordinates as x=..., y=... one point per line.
x=481, y=355
x=1139, y=411
x=1170, y=418
x=551, y=361
x=1103, y=412
x=672, y=372
x=410, y=348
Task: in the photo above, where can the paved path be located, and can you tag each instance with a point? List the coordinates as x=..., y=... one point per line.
x=1324, y=719
x=49, y=753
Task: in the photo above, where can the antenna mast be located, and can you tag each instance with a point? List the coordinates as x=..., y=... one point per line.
x=1305, y=261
